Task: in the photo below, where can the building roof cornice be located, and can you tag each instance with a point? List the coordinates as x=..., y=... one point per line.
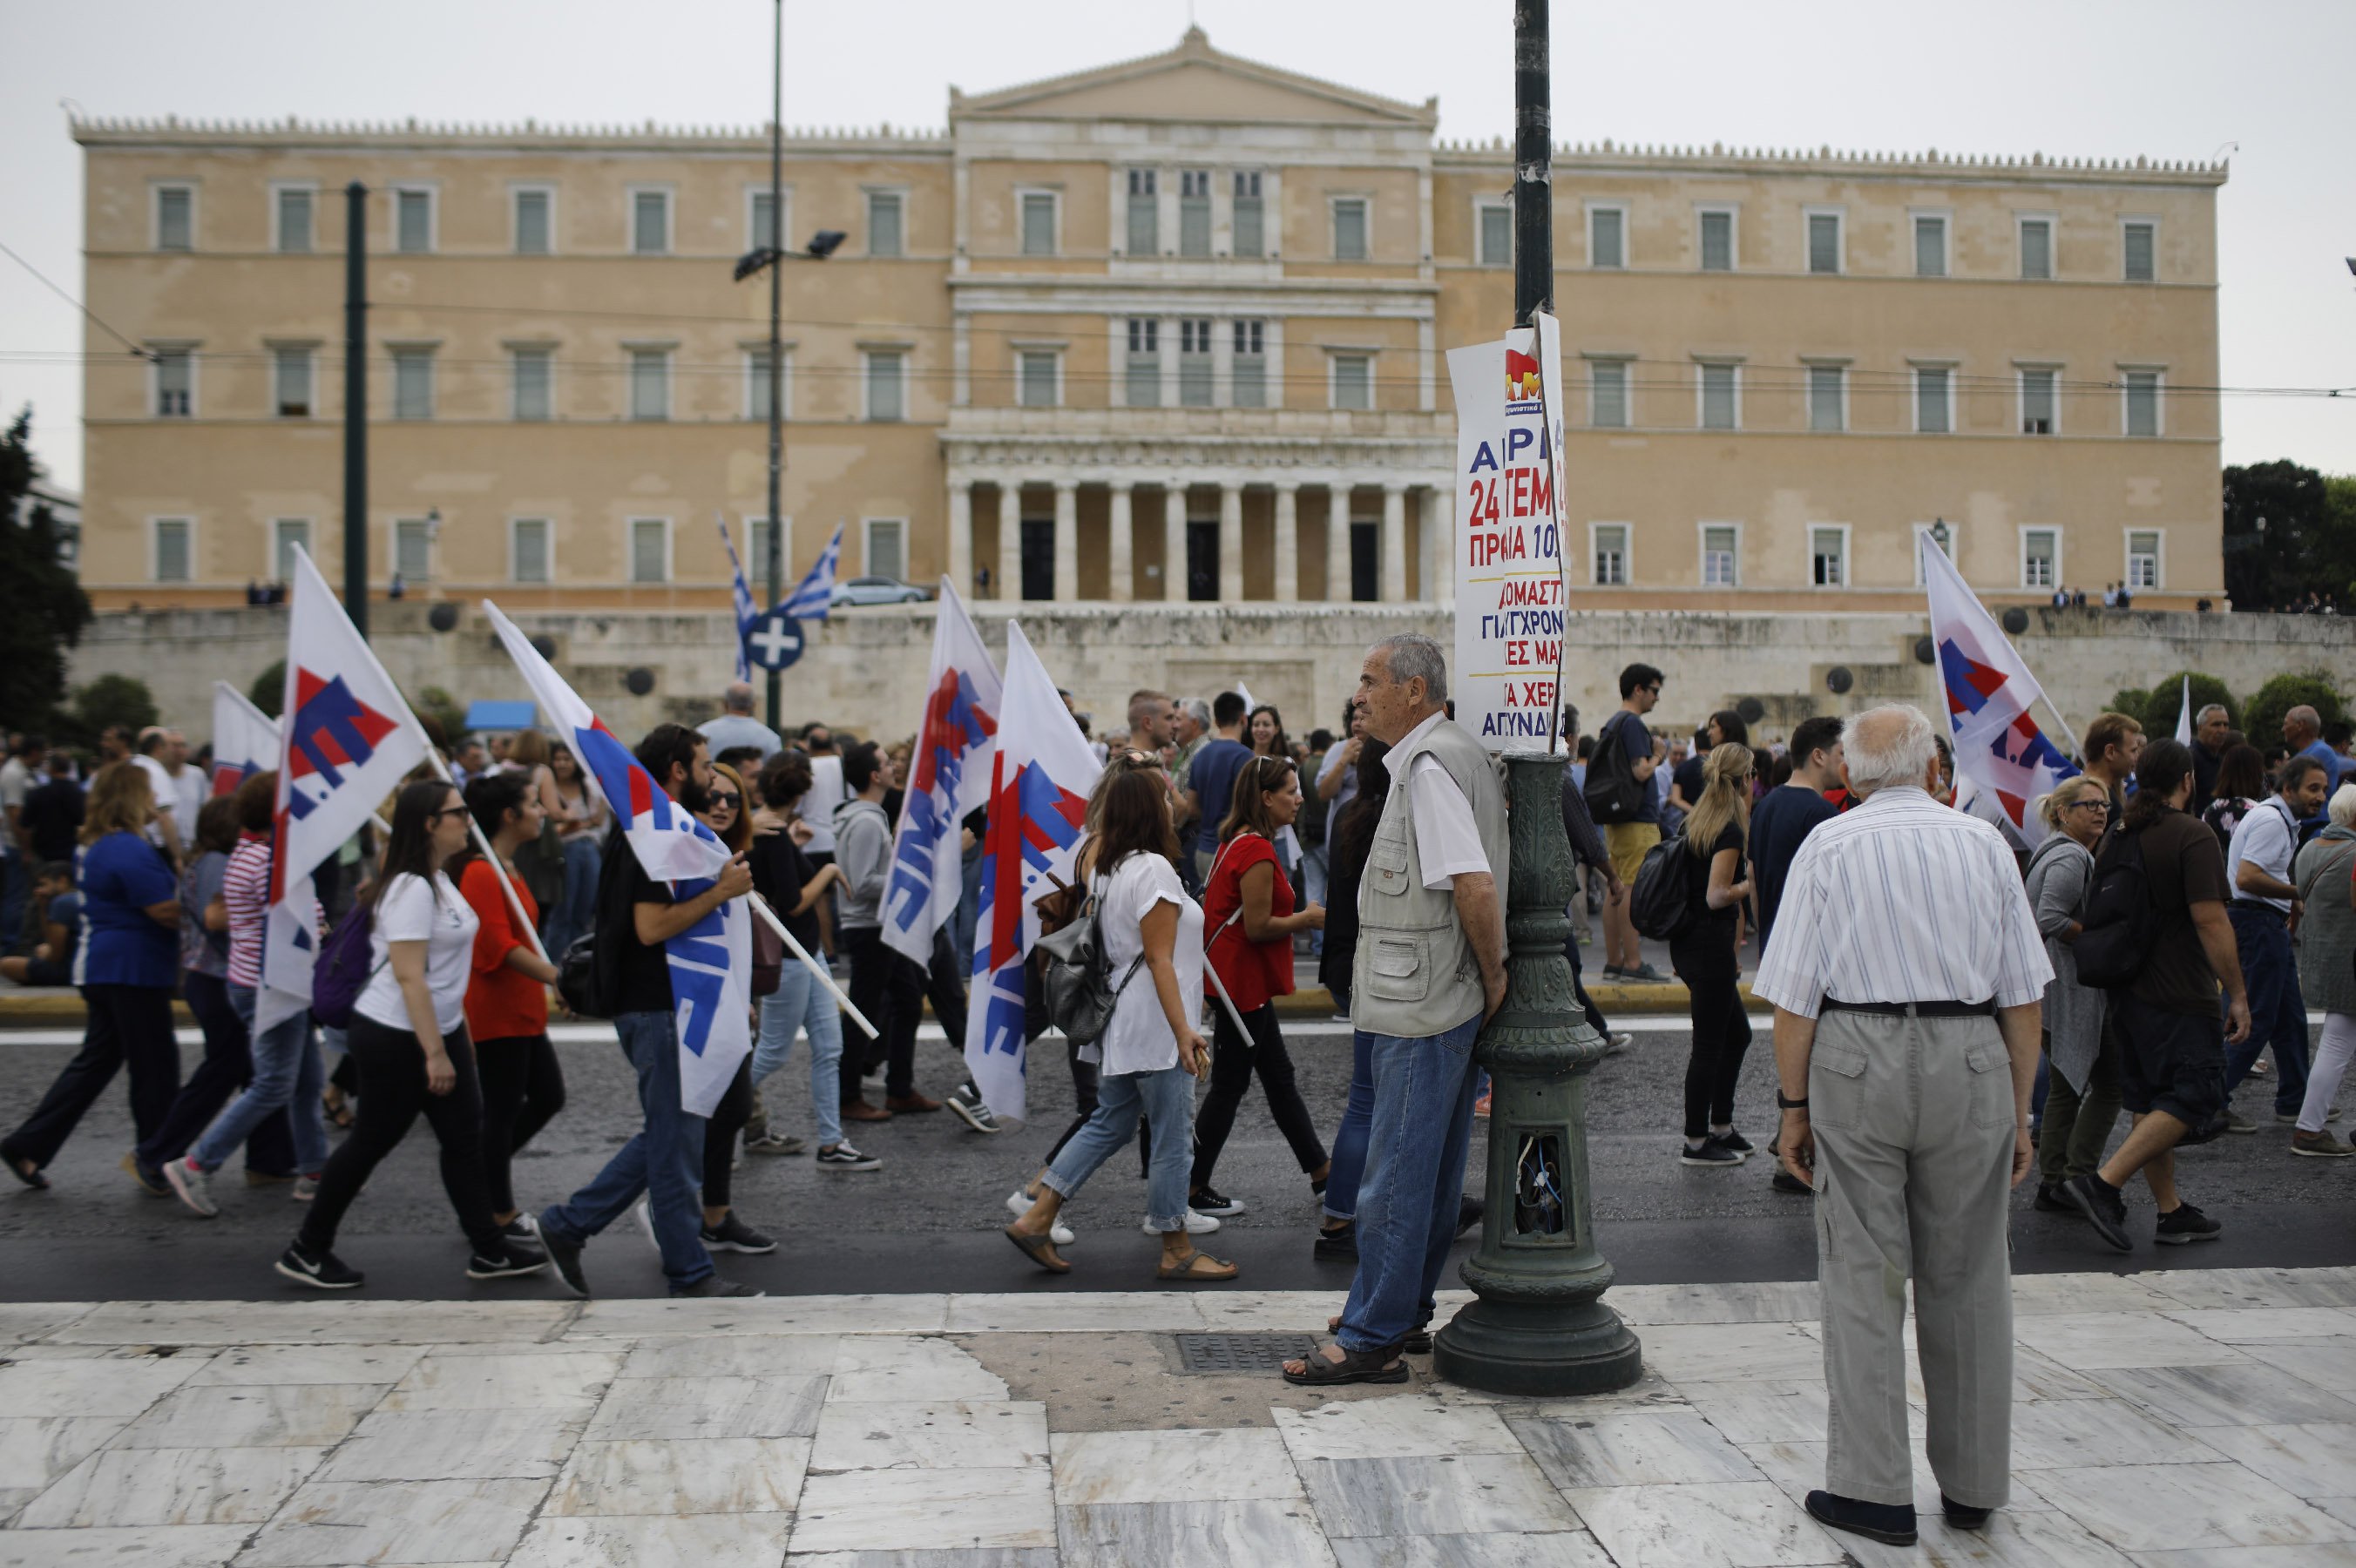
x=172, y=131
x=1930, y=164
x=1351, y=105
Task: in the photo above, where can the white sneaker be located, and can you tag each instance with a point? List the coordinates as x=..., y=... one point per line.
x=1196, y=1224
x=1057, y=1232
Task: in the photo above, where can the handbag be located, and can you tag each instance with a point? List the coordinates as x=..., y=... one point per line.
x=342, y=971
x=768, y=958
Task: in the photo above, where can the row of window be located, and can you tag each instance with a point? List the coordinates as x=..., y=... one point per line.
x=530, y=547
x=1824, y=240
x=1610, y=552
x=1718, y=397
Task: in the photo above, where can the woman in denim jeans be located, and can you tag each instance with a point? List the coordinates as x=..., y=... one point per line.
x=1151, y=1049
x=580, y=816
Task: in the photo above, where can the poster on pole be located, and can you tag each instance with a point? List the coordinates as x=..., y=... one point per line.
x=1509, y=565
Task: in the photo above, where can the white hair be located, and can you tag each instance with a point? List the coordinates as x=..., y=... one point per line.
x=1410, y=655
x=1889, y=745
x=2216, y=707
x=2343, y=807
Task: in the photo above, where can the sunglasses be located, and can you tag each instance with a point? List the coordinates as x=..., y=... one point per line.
x=445, y=811
x=727, y=799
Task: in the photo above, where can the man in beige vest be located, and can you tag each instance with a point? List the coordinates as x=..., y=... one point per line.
x=1430, y=970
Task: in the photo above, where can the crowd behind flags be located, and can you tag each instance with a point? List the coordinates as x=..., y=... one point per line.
x=1999, y=751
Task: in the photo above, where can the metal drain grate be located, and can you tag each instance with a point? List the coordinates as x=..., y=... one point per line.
x=1238, y=1355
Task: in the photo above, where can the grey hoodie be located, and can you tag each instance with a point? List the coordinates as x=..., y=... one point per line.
x=862, y=847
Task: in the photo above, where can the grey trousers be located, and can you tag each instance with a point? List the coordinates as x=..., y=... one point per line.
x=1915, y=1124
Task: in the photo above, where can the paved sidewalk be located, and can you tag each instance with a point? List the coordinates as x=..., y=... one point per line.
x=2182, y=1419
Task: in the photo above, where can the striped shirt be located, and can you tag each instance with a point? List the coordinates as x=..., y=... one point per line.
x=1903, y=900
x=245, y=890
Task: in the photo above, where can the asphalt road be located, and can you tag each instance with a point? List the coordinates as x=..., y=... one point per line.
x=928, y=1220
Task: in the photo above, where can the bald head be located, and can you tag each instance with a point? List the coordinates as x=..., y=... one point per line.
x=2302, y=725
x=738, y=697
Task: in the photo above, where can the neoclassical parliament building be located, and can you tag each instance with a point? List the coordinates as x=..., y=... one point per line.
x=1170, y=330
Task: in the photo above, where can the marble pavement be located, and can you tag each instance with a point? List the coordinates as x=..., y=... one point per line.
x=2182, y=1419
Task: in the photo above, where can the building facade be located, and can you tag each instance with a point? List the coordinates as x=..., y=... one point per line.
x=1170, y=330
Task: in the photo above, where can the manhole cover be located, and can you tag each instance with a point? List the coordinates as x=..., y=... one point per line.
x=1224, y=1355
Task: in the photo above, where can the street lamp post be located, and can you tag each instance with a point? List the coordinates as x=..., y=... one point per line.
x=1540, y=1325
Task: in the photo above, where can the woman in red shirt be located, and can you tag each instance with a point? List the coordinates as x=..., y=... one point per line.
x=1248, y=907
x=507, y=996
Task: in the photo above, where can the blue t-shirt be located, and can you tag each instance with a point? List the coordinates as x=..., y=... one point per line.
x=121, y=875
x=1628, y=732
x=1212, y=776
x=2332, y=765
x=1778, y=823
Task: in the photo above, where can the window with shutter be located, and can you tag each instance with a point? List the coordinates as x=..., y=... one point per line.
x=412, y=383
x=1194, y=212
x=1194, y=364
x=173, y=548
x=1248, y=370
x=412, y=549
x=1719, y=406
x=528, y=554
x=1932, y=416
x=1823, y=242
x=1038, y=379
x=2037, y=400
x=1718, y=556
x=650, y=222
x=1929, y=247
x=295, y=222
x=1605, y=236
x=650, y=549
x=761, y=219
x=412, y=221
x=2037, y=247
x=2137, y=243
x=176, y=383
x=533, y=372
x=176, y=218
x=1496, y=235
x=1038, y=223
x=757, y=381
x=292, y=374
x=1144, y=379
x=2040, y=551
x=1825, y=401
x=1251, y=237
x=887, y=550
x=1353, y=381
x=649, y=384
x=1718, y=241
x=886, y=385
x=884, y=223
x=1607, y=393
x=1611, y=555
x=2143, y=560
x=1828, y=557
x=2143, y=402
x=288, y=535
x=534, y=234
x=1144, y=214
x=1350, y=229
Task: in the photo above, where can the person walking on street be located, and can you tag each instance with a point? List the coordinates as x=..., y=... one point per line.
x=2325, y=872
x=1906, y=984
x=1247, y=903
x=2081, y=1100
x=408, y=1038
x=2264, y=908
x=1431, y=972
x=2171, y=1040
x=1622, y=796
x=1703, y=954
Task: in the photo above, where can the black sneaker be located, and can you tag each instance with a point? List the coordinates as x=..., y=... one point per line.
x=712, y=1284
x=732, y=1235
x=1338, y=1245
x=965, y=1104
x=522, y=1228
x=1785, y=1181
x=2102, y=1207
x=320, y=1271
x=1469, y=1214
x=1713, y=1151
x=517, y=1259
x=2185, y=1223
x=1210, y=1200
x=1735, y=1141
x=842, y=1156
x=565, y=1254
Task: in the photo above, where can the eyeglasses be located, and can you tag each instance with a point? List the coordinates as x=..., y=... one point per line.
x=2089, y=806
x=445, y=811
x=731, y=801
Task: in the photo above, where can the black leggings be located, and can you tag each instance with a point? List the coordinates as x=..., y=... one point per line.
x=720, y=1130
x=391, y=1067
x=1704, y=960
x=1233, y=1061
x=522, y=1089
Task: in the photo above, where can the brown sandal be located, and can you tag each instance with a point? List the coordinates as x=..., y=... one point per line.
x=1416, y=1343
x=1355, y=1367
x=1190, y=1272
x=1040, y=1250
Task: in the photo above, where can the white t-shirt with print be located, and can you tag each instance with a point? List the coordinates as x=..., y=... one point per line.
x=1138, y=1038
x=413, y=909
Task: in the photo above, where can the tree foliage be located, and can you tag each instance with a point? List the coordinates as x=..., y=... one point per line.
x=2308, y=542
x=2159, y=708
x=2261, y=720
x=42, y=607
x=112, y=699
x=268, y=691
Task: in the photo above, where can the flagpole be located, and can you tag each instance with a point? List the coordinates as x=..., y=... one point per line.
x=825, y=976
x=2069, y=733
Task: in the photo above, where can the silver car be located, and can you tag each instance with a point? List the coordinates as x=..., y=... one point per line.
x=875, y=590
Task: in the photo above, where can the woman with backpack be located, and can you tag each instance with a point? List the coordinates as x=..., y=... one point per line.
x=507, y=997
x=1703, y=956
x=2082, y=1096
x=408, y=1038
x=1151, y=1050
x=1247, y=903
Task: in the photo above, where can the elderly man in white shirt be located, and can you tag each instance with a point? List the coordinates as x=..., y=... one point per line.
x=1908, y=977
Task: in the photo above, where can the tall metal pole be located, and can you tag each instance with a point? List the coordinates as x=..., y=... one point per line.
x=777, y=550
x=356, y=491
x=1540, y=1325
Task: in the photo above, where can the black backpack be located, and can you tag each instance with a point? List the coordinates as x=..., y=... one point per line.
x=1660, y=902
x=2115, y=943
x=588, y=973
x=1613, y=792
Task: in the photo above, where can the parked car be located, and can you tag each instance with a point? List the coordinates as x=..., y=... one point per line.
x=876, y=591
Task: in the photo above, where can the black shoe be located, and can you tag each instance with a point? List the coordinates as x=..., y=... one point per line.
x=565, y=1254
x=1734, y=1141
x=2102, y=1207
x=1890, y=1523
x=712, y=1284
x=1786, y=1182
x=516, y=1260
x=1469, y=1213
x=732, y=1235
x=2185, y=1223
x=1964, y=1518
x=1340, y=1245
x=320, y=1270
x=965, y=1103
x=2050, y=1200
x=522, y=1228
x=1712, y=1152
x=1210, y=1200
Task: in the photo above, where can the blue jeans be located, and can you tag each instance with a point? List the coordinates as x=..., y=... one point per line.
x=1414, y=1181
x=800, y=1002
x=1166, y=1097
x=2277, y=1012
x=286, y=1075
x=576, y=911
x=1350, y=1137
x=664, y=1161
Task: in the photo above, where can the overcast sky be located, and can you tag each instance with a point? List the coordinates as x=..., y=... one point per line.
x=2162, y=77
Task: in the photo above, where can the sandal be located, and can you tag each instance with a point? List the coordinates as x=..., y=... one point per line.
x=1355, y=1367
x=29, y=1174
x=1191, y=1271
x=1416, y=1343
x=336, y=1108
x=1040, y=1250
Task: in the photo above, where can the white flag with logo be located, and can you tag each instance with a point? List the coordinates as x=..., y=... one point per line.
x=950, y=778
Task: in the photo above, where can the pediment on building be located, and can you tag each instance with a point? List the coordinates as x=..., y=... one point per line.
x=1193, y=82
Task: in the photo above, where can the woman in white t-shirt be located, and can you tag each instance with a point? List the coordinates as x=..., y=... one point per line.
x=1153, y=1051
x=408, y=1038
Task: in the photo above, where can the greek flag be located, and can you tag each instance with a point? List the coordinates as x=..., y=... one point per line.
x=808, y=601
x=747, y=613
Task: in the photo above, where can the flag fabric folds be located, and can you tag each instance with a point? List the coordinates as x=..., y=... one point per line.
x=808, y=601
x=712, y=961
x=1999, y=750
x=747, y=611
x=2184, y=715
x=245, y=739
x=950, y=779
x=1040, y=779
x=348, y=741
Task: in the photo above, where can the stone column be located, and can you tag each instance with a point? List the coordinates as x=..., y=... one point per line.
x=1067, y=541
x=1440, y=539
x=1288, y=544
x=1121, y=549
x=1337, y=544
x=961, y=532
x=1174, y=540
x=1231, y=544
x=1010, y=538
x=1394, y=548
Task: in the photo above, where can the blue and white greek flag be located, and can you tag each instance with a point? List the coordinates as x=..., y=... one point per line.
x=746, y=611
x=808, y=601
